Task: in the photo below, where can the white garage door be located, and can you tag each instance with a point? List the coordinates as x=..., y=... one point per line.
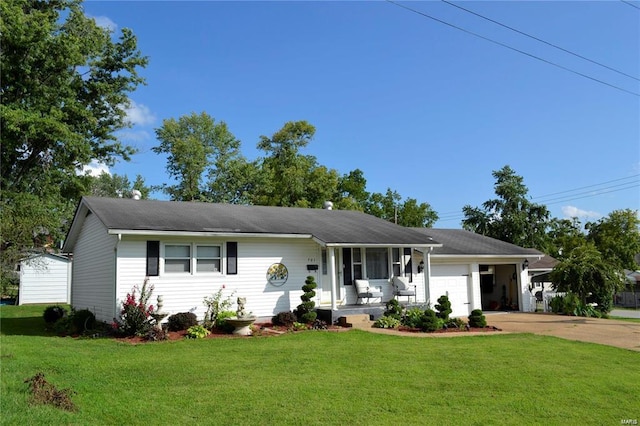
x=452, y=280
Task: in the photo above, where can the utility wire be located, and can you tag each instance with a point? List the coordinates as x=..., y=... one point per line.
x=630, y=4
x=588, y=186
x=512, y=48
x=540, y=40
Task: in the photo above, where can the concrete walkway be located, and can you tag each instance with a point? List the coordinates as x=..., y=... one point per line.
x=625, y=313
x=621, y=334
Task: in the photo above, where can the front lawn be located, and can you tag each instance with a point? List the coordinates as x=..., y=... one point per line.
x=317, y=377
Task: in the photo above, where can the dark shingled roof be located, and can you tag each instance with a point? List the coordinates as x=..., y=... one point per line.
x=462, y=242
x=328, y=226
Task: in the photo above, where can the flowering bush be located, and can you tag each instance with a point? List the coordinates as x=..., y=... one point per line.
x=135, y=316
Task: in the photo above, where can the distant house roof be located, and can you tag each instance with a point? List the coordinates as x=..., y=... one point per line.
x=545, y=264
x=330, y=227
x=459, y=242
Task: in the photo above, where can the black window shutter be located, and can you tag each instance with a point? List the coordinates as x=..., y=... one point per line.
x=346, y=259
x=232, y=258
x=153, y=258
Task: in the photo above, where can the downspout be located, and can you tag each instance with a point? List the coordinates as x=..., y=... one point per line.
x=332, y=273
x=115, y=277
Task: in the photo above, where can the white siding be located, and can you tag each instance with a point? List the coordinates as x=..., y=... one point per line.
x=93, y=278
x=44, y=279
x=185, y=292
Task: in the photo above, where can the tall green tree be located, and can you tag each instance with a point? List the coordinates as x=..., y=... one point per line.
x=617, y=237
x=586, y=273
x=510, y=217
x=389, y=206
x=194, y=143
x=564, y=236
x=65, y=85
x=352, y=191
x=113, y=186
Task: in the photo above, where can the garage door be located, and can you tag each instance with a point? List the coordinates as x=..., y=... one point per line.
x=452, y=280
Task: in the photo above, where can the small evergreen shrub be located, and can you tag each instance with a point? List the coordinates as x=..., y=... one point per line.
x=444, y=308
x=430, y=321
x=181, y=321
x=413, y=318
x=83, y=320
x=386, y=322
x=285, y=318
x=197, y=332
x=393, y=309
x=477, y=319
x=304, y=311
x=53, y=313
x=556, y=304
x=221, y=321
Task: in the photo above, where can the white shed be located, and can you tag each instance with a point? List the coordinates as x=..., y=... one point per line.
x=45, y=278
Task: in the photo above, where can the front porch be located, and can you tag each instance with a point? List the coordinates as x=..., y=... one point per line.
x=374, y=310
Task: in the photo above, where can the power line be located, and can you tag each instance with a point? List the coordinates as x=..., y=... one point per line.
x=630, y=4
x=512, y=48
x=588, y=186
x=540, y=40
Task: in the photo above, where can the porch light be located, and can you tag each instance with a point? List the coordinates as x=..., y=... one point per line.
x=421, y=266
x=525, y=264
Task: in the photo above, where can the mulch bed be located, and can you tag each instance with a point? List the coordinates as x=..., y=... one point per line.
x=451, y=330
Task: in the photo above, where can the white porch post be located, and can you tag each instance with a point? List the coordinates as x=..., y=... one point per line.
x=427, y=273
x=331, y=254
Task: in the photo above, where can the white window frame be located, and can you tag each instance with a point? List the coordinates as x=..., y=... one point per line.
x=193, y=258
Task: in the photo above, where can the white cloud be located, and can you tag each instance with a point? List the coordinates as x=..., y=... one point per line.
x=95, y=169
x=139, y=114
x=571, y=212
x=106, y=23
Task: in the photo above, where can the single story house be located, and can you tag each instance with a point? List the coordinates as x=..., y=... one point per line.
x=44, y=278
x=190, y=250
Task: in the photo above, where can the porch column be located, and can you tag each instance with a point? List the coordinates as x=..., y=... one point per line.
x=331, y=255
x=427, y=273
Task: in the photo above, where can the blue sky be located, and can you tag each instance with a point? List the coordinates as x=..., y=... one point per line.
x=420, y=107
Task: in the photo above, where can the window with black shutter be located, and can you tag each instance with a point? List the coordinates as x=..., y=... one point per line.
x=153, y=258
x=232, y=258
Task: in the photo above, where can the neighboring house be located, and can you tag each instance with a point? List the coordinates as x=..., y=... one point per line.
x=479, y=272
x=45, y=278
x=190, y=250
x=630, y=296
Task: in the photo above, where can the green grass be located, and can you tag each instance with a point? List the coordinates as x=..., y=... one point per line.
x=311, y=378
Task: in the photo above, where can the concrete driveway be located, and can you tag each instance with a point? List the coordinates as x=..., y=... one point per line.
x=623, y=334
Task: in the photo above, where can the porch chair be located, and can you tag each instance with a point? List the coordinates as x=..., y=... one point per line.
x=364, y=290
x=401, y=287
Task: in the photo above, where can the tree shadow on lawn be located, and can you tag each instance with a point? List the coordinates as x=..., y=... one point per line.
x=26, y=326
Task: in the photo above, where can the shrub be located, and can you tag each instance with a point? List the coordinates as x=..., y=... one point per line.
x=556, y=304
x=477, y=319
x=304, y=311
x=53, y=313
x=413, y=318
x=221, y=321
x=393, y=309
x=299, y=326
x=197, y=332
x=135, y=316
x=64, y=326
x=430, y=321
x=156, y=334
x=215, y=305
x=386, y=322
x=444, y=308
x=319, y=325
x=181, y=321
x=83, y=320
x=456, y=323
x=284, y=318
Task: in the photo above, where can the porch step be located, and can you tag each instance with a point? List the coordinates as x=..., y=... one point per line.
x=354, y=320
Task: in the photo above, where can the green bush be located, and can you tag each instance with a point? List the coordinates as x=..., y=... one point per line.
x=284, y=318
x=456, y=323
x=430, y=321
x=304, y=311
x=413, y=318
x=386, y=322
x=53, y=313
x=393, y=309
x=83, y=320
x=197, y=332
x=181, y=321
x=221, y=321
x=444, y=308
x=557, y=304
x=477, y=319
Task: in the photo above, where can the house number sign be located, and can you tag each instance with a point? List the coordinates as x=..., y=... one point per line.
x=277, y=274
